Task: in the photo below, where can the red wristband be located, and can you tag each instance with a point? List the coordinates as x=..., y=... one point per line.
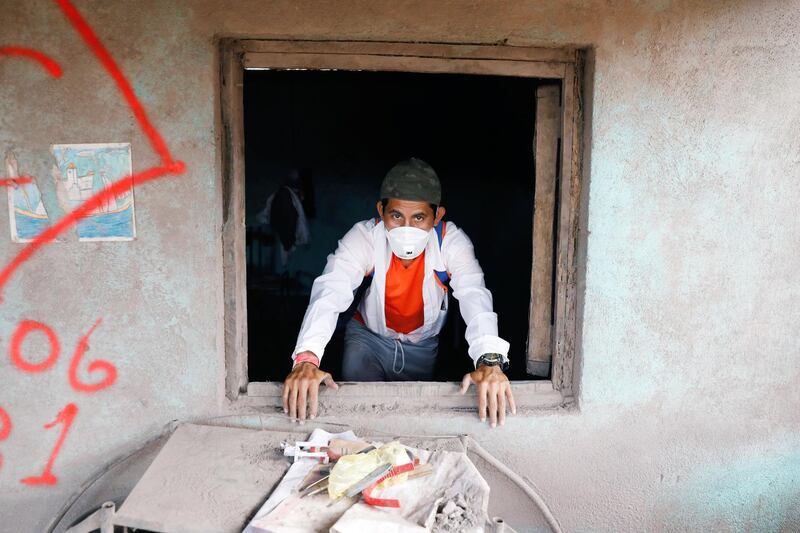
x=306, y=358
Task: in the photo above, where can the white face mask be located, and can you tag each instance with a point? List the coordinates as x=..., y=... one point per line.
x=407, y=242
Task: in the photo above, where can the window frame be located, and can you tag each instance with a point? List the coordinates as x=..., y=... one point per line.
x=563, y=64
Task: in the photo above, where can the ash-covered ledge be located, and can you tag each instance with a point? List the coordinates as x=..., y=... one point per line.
x=403, y=397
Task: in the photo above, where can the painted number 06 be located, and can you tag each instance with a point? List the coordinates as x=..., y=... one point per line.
x=70, y=411
x=27, y=326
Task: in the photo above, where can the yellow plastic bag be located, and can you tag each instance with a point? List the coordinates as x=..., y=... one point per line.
x=350, y=469
x=394, y=453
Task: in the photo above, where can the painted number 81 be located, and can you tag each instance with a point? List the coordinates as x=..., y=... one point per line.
x=70, y=411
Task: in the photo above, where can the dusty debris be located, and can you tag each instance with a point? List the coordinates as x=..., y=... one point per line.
x=453, y=496
x=454, y=513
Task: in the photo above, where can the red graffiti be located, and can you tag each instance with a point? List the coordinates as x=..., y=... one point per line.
x=82, y=211
x=66, y=416
x=5, y=429
x=5, y=424
x=27, y=326
x=102, y=54
x=53, y=68
x=107, y=368
x=168, y=165
x=13, y=182
x=22, y=331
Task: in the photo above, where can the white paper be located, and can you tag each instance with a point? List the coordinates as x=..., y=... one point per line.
x=291, y=481
x=454, y=478
x=453, y=474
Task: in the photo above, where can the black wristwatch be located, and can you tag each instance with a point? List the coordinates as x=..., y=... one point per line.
x=492, y=359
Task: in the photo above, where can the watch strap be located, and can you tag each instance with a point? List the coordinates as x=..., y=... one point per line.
x=492, y=359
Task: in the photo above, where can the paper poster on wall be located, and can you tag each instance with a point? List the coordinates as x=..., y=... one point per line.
x=86, y=169
x=26, y=212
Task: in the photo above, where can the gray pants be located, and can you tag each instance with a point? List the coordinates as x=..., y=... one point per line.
x=371, y=357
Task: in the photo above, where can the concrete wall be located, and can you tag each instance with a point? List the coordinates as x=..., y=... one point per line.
x=689, y=411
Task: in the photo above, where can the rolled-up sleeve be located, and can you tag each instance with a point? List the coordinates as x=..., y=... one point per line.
x=332, y=292
x=474, y=299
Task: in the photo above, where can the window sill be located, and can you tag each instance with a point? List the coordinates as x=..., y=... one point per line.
x=404, y=397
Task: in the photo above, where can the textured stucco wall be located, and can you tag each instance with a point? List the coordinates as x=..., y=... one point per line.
x=689, y=411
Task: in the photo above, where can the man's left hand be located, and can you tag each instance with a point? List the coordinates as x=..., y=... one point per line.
x=494, y=391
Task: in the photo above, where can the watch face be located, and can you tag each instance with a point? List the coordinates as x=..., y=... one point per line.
x=490, y=359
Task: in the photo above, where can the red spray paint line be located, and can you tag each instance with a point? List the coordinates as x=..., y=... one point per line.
x=13, y=182
x=25, y=327
x=66, y=416
x=100, y=51
x=5, y=424
x=99, y=365
x=5, y=429
x=53, y=68
x=168, y=166
x=82, y=211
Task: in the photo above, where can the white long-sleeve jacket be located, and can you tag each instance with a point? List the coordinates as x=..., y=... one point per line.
x=366, y=247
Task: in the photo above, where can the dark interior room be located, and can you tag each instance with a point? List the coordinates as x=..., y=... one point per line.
x=339, y=132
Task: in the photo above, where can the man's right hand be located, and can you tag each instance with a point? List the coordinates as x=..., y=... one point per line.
x=301, y=387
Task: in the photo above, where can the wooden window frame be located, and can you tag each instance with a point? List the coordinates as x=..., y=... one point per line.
x=562, y=64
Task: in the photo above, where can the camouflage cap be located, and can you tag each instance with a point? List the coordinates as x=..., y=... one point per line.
x=414, y=180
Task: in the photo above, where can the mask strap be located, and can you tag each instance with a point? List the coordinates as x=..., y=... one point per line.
x=402, y=356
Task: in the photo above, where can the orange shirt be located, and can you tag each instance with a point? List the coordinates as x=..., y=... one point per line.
x=404, y=308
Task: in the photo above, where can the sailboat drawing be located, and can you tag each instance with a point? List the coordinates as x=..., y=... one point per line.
x=87, y=169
